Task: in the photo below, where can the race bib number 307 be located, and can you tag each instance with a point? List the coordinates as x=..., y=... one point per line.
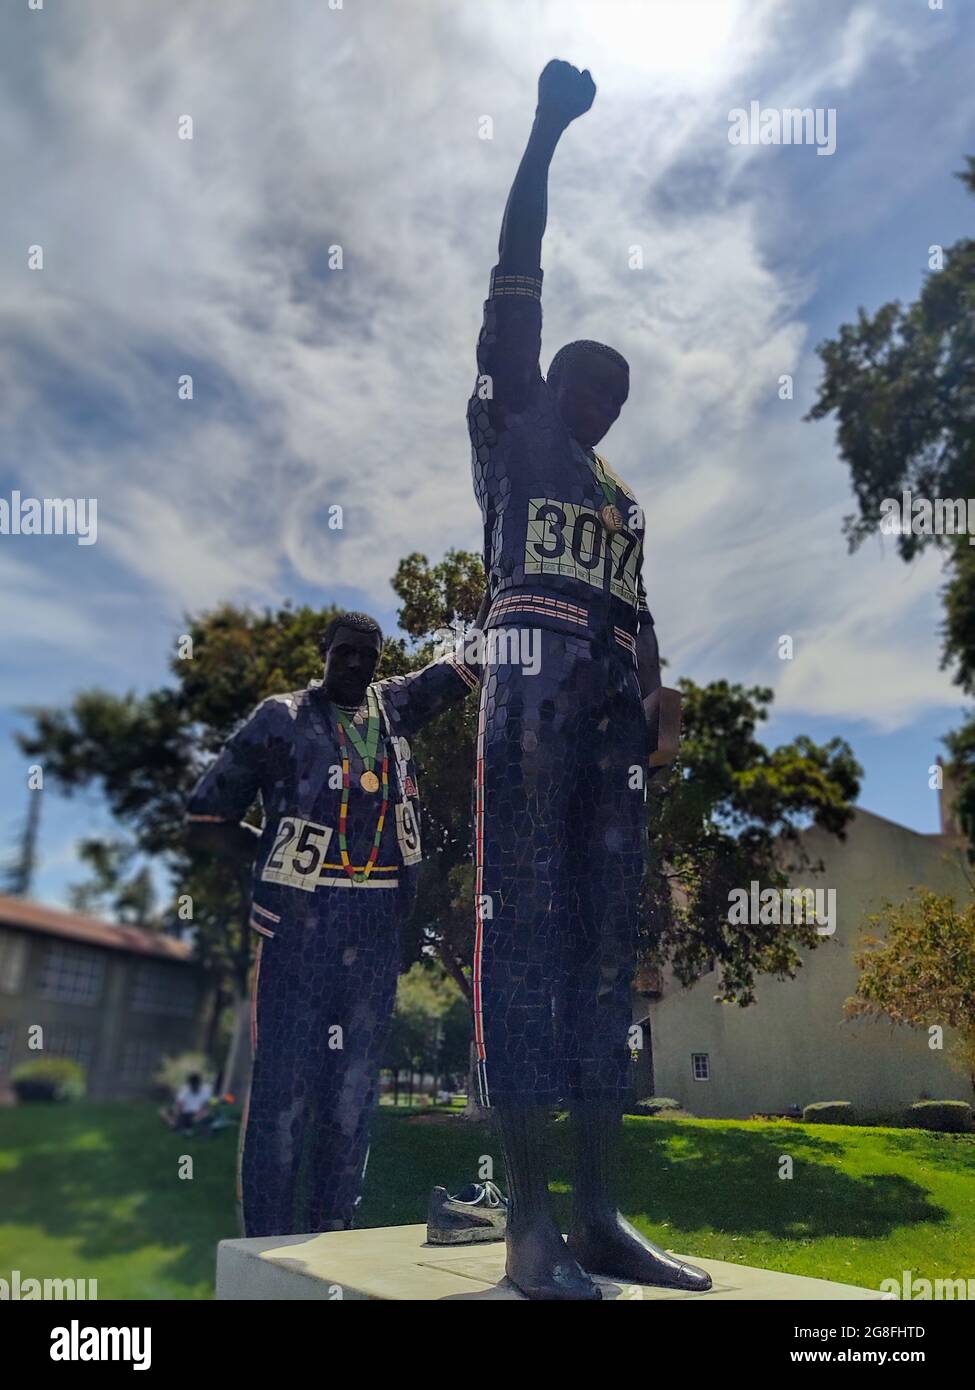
x=298, y=853
x=564, y=538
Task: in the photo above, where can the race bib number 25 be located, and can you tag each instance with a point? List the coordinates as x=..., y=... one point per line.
x=564, y=538
x=298, y=853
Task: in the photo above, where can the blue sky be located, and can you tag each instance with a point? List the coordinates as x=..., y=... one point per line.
x=360, y=126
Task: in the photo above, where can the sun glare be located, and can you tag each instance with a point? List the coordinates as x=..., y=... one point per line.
x=686, y=39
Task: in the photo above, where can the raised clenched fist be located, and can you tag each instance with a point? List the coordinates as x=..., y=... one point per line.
x=564, y=92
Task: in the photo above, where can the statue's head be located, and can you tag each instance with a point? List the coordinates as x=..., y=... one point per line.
x=590, y=382
x=350, y=647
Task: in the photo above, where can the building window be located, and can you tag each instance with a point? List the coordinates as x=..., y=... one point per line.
x=701, y=1066
x=60, y=1043
x=159, y=989
x=13, y=958
x=140, y=1059
x=73, y=975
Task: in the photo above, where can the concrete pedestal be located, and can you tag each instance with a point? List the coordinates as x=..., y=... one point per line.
x=394, y=1262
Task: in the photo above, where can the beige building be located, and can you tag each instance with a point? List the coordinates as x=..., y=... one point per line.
x=793, y=1046
x=114, y=998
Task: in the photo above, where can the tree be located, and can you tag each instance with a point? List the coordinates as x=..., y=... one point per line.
x=731, y=813
x=902, y=386
x=434, y=599
x=430, y=1025
x=131, y=899
x=716, y=821
x=922, y=973
x=901, y=383
x=17, y=868
x=145, y=754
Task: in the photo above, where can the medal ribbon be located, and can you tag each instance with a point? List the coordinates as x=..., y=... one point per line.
x=607, y=485
x=359, y=876
x=366, y=747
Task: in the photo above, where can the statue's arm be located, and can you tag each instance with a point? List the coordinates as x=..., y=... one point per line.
x=234, y=841
x=661, y=706
x=226, y=791
x=413, y=700
x=511, y=336
x=563, y=93
x=648, y=657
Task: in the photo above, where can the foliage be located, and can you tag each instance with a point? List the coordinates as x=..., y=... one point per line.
x=108, y=891
x=902, y=385
x=717, y=823
x=433, y=599
x=173, y=1071
x=431, y=1023
x=49, y=1078
x=922, y=972
x=961, y=752
x=944, y=1116
x=829, y=1112
x=729, y=815
x=145, y=753
x=655, y=1105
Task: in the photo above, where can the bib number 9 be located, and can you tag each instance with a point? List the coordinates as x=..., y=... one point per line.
x=408, y=833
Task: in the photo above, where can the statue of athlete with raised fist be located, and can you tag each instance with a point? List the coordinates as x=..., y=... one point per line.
x=563, y=753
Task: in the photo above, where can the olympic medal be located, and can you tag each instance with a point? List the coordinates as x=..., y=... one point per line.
x=369, y=782
x=612, y=518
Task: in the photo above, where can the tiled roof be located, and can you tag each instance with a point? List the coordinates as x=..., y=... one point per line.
x=55, y=921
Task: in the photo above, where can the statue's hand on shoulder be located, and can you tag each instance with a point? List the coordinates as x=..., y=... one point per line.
x=564, y=92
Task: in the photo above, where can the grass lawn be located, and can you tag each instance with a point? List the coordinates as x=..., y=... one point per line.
x=93, y=1191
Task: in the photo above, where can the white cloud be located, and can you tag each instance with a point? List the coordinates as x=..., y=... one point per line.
x=359, y=126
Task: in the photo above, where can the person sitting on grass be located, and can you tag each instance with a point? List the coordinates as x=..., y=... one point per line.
x=191, y=1105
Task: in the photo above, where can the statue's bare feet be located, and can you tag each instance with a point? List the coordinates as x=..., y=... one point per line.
x=541, y=1267
x=610, y=1246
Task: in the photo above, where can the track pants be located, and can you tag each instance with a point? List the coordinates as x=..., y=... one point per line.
x=324, y=991
x=560, y=832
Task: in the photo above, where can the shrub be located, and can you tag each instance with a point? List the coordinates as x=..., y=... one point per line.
x=887, y=1117
x=173, y=1071
x=653, y=1105
x=946, y=1116
x=829, y=1112
x=49, y=1078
